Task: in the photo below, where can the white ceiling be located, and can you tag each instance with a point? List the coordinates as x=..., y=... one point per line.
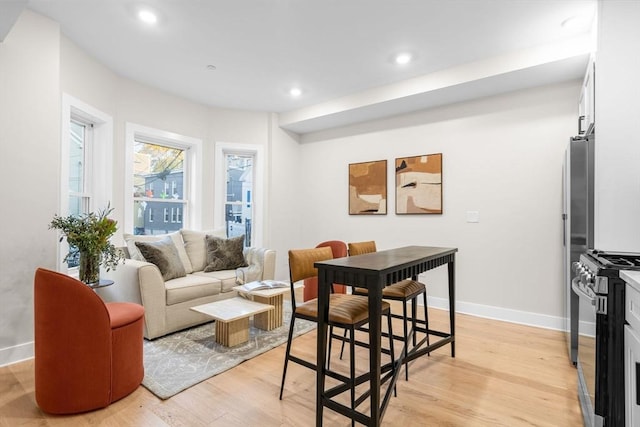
x=339, y=52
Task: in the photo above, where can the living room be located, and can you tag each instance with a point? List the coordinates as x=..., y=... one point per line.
x=502, y=158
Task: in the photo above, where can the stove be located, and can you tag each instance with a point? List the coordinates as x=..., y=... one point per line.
x=616, y=260
x=597, y=281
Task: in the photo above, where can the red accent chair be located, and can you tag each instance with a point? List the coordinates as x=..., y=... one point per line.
x=88, y=354
x=310, y=290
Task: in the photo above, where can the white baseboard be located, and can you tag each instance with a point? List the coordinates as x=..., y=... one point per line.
x=17, y=353
x=503, y=314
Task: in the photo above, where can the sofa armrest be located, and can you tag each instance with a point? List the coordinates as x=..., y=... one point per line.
x=261, y=265
x=140, y=282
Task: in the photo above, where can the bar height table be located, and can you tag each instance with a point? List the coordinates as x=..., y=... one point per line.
x=375, y=271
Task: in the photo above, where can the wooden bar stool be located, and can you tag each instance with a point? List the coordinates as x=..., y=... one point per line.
x=349, y=312
x=403, y=291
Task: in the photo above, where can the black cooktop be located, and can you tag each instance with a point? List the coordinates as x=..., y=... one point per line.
x=616, y=260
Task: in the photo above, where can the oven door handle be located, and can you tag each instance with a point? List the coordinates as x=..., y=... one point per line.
x=580, y=292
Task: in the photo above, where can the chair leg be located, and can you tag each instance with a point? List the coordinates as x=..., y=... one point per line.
x=406, y=338
x=352, y=370
x=342, y=347
x=414, y=313
x=286, y=356
x=329, y=349
x=426, y=316
x=391, y=350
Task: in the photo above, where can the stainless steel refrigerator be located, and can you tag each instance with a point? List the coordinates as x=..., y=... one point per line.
x=577, y=219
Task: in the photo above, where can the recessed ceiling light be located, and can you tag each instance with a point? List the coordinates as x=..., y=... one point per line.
x=147, y=16
x=295, y=92
x=403, y=58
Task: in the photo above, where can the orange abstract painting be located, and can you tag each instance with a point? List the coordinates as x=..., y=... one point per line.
x=368, y=188
x=419, y=184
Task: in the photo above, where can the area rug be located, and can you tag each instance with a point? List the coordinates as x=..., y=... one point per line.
x=181, y=360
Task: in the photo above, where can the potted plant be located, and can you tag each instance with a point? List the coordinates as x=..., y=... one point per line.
x=88, y=235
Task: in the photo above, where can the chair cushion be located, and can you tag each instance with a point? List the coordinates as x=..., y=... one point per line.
x=226, y=277
x=191, y=287
x=405, y=289
x=343, y=309
x=123, y=313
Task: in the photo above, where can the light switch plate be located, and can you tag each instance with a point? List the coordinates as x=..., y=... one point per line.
x=473, y=216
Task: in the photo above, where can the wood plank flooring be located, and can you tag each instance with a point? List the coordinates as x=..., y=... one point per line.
x=503, y=375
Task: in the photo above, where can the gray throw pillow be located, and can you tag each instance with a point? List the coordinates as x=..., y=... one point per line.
x=224, y=254
x=163, y=254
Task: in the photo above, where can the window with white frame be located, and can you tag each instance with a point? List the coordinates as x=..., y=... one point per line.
x=239, y=184
x=86, y=165
x=162, y=171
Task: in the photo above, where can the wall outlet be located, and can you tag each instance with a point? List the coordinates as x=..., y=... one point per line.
x=473, y=216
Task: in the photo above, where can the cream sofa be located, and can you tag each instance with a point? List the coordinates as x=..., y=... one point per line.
x=167, y=303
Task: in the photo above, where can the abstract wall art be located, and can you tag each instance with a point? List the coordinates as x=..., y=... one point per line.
x=419, y=184
x=368, y=188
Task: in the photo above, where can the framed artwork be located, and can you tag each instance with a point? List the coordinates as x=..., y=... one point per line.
x=368, y=188
x=419, y=184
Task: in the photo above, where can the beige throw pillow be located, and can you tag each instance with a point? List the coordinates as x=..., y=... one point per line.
x=131, y=239
x=163, y=254
x=224, y=254
x=196, y=246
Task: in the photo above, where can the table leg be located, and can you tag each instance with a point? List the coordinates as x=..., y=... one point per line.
x=271, y=319
x=452, y=303
x=232, y=333
x=375, y=328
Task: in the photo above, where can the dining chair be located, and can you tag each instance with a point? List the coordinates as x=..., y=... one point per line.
x=403, y=291
x=339, y=250
x=346, y=311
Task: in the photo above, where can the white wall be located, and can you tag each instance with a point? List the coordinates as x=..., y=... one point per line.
x=502, y=156
x=617, y=215
x=29, y=149
x=37, y=65
x=130, y=101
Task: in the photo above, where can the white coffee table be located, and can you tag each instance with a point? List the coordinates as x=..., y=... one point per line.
x=275, y=297
x=232, y=318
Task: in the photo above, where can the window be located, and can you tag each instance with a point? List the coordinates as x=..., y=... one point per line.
x=238, y=211
x=162, y=173
x=86, y=165
x=79, y=158
x=239, y=184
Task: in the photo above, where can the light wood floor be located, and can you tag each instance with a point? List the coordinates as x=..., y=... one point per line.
x=503, y=375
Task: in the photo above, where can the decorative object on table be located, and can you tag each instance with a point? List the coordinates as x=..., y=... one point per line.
x=419, y=184
x=183, y=359
x=88, y=235
x=368, y=188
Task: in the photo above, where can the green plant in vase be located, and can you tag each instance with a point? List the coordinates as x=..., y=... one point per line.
x=89, y=234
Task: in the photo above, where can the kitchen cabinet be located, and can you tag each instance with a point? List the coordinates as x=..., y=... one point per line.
x=632, y=348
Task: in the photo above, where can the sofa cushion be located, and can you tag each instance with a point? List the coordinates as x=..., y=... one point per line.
x=164, y=255
x=191, y=287
x=227, y=278
x=224, y=254
x=134, y=253
x=196, y=247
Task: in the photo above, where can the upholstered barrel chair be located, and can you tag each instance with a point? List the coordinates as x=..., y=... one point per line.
x=339, y=250
x=88, y=354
